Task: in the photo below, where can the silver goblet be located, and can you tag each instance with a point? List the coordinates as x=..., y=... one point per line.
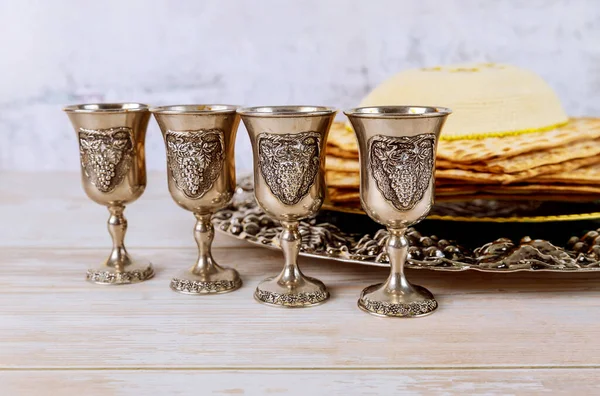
x=288, y=143
x=199, y=141
x=113, y=173
x=397, y=146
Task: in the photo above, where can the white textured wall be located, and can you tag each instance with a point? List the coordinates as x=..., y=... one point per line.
x=57, y=52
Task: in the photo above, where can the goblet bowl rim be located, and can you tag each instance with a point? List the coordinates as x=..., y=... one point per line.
x=286, y=111
x=107, y=107
x=398, y=111
x=210, y=108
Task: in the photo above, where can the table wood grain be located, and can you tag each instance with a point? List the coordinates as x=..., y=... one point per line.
x=517, y=333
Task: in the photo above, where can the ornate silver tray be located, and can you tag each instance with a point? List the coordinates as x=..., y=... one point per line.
x=335, y=236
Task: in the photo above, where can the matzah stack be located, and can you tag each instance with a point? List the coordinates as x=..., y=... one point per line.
x=508, y=137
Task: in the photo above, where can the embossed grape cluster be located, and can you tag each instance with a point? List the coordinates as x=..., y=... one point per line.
x=587, y=244
x=423, y=247
x=191, y=174
x=104, y=169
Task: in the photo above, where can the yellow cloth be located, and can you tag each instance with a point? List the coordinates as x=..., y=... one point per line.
x=487, y=100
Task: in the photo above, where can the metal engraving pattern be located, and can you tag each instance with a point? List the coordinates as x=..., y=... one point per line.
x=291, y=300
x=289, y=163
x=321, y=238
x=199, y=287
x=106, y=155
x=115, y=278
x=402, y=167
x=195, y=159
x=416, y=308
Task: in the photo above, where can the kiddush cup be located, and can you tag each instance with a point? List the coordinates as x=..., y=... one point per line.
x=199, y=141
x=397, y=146
x=113, y=173
x=288, y=144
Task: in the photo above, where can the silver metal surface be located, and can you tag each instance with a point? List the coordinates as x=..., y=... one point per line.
x=289, y=154
x=113, y=173
x=199, y=142
x=397, y=147
x=402, y=167
x=323, y=237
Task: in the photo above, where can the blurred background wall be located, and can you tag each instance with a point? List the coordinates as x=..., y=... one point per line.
x=254, y=52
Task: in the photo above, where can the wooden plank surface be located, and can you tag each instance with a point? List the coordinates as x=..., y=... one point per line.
x=304, y=382
x=52, y=210
x=532, y=320
x=493, y=333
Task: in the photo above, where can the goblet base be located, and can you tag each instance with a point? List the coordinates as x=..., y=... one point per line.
x=135, y=271
x=414, y=301
x=303, y=292
x=218, y=280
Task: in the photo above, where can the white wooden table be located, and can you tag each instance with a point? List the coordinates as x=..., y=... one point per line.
x=493, y=333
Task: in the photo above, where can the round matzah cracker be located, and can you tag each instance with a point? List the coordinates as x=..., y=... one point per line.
x=343, y=195
x=351, y=180
x=476, y=150
x=588, y=175
x=342, y=138
x=345, y=166
x=342, y=179
x=341, y=164
x=478, y=167
x=520, y=163
x=471, y=176
x=507, y=178
x=541, y=188
x=469, y=151
x=338, y=152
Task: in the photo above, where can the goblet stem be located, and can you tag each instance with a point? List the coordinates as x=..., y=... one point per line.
x=291, y=288
x=397, y=297
x=206, y=276
x=117, y=227
x=119, y=268
x=290, y=240
x=397, y=250
x=204, y=233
